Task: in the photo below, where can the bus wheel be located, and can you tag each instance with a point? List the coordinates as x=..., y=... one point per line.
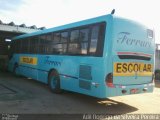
x=15, y=69
x=54, y=82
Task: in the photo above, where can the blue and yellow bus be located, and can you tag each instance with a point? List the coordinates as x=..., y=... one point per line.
x=101, y=57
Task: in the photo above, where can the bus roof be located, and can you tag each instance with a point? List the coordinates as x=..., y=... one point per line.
x=67, y=26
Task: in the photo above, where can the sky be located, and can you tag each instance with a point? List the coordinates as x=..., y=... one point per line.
x=52, y=13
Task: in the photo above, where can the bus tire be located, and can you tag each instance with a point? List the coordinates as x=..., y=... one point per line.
x=54, y=82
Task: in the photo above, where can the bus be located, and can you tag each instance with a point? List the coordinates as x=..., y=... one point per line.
x=101, y=57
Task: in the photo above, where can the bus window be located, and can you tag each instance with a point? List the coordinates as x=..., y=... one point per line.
x=101, y=37
x=73, y=48
x=42, y=40
x=64, y=40
x=48, y=43
x=74, y=36
x=74, y=43
x=59, y=48
x=64, y=37
x=33, y=47
x=25, y=45
x=94, y=39
x=59, y=45
x=57, y=37
x=84, y=36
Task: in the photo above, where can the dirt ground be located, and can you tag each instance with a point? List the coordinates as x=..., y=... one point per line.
x=23, y=95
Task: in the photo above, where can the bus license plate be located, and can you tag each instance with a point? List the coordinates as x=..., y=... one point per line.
x=132, y=69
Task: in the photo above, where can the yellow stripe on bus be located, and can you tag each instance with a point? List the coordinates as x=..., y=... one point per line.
x=133, y=74
x=28, y=60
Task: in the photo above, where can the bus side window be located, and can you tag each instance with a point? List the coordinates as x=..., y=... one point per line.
x=33, y=46
x=94, y=40
x=42, y=40
x=48, y=43
x=97, y=40
x=56, y=41
x=101, y=37
x=64, y=40
x=73, y=48
x=64, y=37
x=57, y=37
x=84, y=36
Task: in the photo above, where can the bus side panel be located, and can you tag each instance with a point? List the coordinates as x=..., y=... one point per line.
x=74, y=75
x=70, y=68
x=43, y=76
x=28, y=65
x=44, y=65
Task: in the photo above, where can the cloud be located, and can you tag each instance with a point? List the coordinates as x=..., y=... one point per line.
x=50, y=13
x=10, y=5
